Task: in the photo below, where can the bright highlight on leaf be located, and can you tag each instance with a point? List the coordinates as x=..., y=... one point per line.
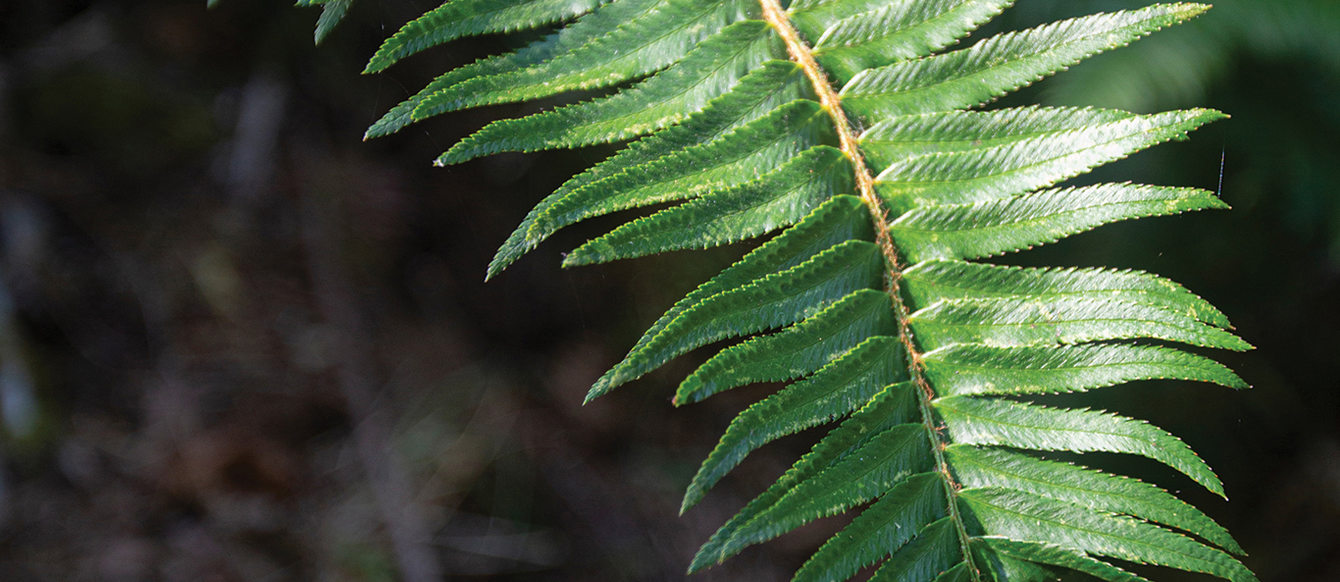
x=856, y=137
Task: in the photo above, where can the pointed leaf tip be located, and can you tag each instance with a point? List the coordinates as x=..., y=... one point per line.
x=1196, y=9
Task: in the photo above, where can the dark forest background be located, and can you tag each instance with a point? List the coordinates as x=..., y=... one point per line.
x=237, y=343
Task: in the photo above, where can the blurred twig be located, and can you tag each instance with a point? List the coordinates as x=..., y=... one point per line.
x=371, y=426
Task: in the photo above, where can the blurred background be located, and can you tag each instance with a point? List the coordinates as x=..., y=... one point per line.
x=238, y=343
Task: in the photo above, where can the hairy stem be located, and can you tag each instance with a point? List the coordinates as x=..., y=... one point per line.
x=802, y=55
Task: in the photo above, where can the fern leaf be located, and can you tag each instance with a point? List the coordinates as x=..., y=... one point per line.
x=794, y=352
x=747, y=119
x=332, y=12
x=867, y=470
x=839, y=273
x=992, y=467
x=1043, y=553
x=931, y=281
x=982, y=229
x=890, y=408
x=746, y=153
x=582, y=32
x=879, y=531
x=1020, y=516
x=994, y=422
x=1000, y=64
x=1044, y=319
x=812, y=17
x=462, y=18
x=836, y=390
x=783, y=297
x=898, y=31
x=773, y=201
x=708, y=71
x=649, y=43
x=907, y=136
x=1013, y=166
x=977, y=369
x=933, y=551
x=775, y=83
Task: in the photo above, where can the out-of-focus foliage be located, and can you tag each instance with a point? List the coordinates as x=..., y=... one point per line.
x=1272, y=64
x=332, y=12
x=1186, y=67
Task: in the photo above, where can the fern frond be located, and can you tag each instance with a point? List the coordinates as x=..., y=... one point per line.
x=627, y=50
x=884, y=527
x=932, y=555
x=998, y=422
x=1015, y=554
x=993, y=227
x=1058, y=320
x=678, y=150
x=979, y=467
x=747, y=153
x=463, y=18
x=332, y=12
x=587, y=29
x=834, y=391
x=930, y=281
x=1000, y=64
x=794, y=352
x=765, y=301
x=708, y=71
x=882, y=422
x=847, y=128
x=772, y=201
x=886, y=32
x=979, y=369
x=1017, y=515
x=1033, y=157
